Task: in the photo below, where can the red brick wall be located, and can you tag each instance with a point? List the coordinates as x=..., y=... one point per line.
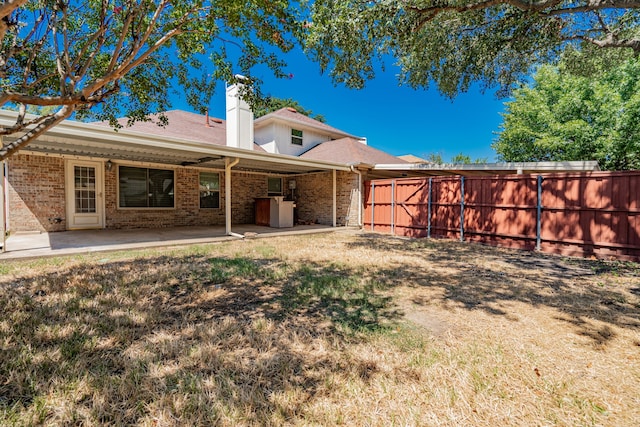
x=187, y=210
x=244, y=189
x=314, y=198
x=347, y=198
x=36, y=193
x=37, y=198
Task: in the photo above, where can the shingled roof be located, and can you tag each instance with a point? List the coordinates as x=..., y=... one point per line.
x=414, y=159
x=349, y=151
x=186, y=125
x=192, y=126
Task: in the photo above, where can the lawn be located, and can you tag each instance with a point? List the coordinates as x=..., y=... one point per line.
x=341, y=328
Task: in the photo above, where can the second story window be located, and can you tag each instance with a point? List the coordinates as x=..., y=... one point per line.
x=296, y=137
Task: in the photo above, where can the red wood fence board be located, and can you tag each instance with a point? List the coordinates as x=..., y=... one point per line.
x=588, y=214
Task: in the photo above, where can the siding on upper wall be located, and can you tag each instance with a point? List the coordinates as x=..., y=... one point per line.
x=265, y=137
x=276, y=138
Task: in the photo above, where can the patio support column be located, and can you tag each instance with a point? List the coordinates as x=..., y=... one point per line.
x=360, y=201
x=228, y=164
x=334, y=197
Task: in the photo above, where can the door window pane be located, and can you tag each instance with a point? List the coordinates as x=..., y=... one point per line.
x=84, y=179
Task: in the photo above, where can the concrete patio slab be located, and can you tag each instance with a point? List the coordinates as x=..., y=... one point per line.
x=37, y=245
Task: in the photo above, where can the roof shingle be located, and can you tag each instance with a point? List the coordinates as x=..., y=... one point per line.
x=349, y=151
x=186, y=125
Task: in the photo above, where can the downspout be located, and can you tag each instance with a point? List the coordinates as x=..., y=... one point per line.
x=228, y=164
x=357, y=172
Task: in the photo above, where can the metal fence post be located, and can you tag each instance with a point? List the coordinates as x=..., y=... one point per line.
x=373, y=202
x=462, y=208
x=539, y=214
x=429, y=210
x=393, y=207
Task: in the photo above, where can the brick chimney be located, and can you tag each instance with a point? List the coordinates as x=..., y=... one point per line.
x=239, y=118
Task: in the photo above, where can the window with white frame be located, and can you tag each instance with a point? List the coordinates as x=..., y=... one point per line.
x=209, y=190
x=296, y=137
x=145, y=188
x=274, y=186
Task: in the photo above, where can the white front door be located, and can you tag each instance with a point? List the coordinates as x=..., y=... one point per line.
x=84, y=185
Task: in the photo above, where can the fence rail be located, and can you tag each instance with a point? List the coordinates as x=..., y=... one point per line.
x=586, y=214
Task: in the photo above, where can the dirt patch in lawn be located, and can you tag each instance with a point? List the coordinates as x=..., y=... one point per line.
x=314, y=329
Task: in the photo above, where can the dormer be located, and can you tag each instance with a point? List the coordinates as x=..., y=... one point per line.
x=286, y=131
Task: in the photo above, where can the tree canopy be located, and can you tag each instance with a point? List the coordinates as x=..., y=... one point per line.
x=454, y=43
x=564, y=115
x=458, y=159
x=465, y=159
x=65, y=57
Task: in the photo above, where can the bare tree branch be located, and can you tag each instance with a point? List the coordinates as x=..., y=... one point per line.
x=70, y=72
x=545, y=9
x=6, y=9
x=610, y=41
x=121, y=40
x=46, y=124
x=72, y=55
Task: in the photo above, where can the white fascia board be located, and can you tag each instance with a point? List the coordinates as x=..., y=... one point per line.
x=71, y=129
x=571, y=166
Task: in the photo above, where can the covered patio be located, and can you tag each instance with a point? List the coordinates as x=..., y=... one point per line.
x=105, y=150
x=38, y=245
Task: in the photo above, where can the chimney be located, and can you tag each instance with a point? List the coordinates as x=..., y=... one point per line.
x=239, y=118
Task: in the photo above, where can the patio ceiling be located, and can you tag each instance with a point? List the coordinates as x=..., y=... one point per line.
x=80, y=139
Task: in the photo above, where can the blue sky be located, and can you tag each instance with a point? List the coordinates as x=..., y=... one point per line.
x=398, y=120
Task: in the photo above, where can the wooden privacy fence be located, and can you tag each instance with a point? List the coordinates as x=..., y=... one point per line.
x=586, y=214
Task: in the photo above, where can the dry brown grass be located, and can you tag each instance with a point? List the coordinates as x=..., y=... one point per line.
x=349, y=329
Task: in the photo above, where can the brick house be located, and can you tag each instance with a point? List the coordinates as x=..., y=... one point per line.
x=195, y=171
